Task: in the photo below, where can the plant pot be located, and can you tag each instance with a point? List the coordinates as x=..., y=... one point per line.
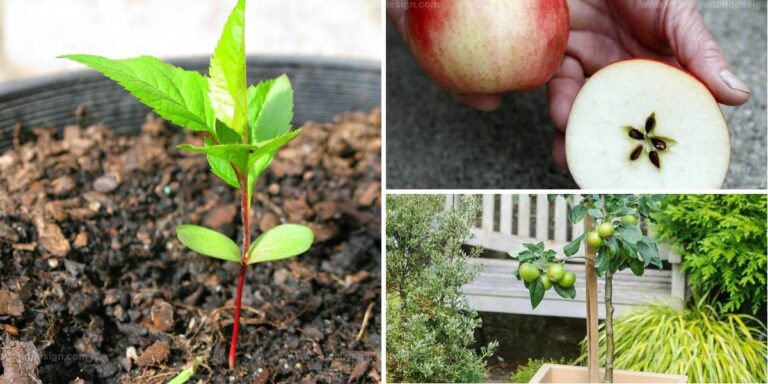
x=554, y=373
x=323, y=88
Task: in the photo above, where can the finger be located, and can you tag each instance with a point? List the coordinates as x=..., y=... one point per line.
x=699, y=53
x=481, y=102
x=594, y=50
x=396, y=13
x=562, y=90
x=558, y=151
x=593, y=17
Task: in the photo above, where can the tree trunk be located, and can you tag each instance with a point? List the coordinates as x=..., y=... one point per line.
x=609, y=347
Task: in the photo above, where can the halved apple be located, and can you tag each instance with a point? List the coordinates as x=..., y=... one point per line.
x=645, y=124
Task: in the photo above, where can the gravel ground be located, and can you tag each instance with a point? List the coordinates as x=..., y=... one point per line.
x=434, y=141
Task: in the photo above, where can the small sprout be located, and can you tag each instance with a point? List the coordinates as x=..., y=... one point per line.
x=243, y=127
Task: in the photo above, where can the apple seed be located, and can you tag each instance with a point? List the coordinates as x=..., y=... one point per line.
x=636, y=153
x=650, y=123
x=659, y=144
x=654, y=157
x=635, y=134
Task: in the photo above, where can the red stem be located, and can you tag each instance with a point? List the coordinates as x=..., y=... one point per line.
x=244, y=209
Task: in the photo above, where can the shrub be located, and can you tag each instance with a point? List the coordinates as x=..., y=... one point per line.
x=524, y=373
x=722, y=239
x=430, y=327
x=701, y=342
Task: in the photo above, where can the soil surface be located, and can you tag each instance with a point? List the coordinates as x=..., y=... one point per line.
x=95, y=287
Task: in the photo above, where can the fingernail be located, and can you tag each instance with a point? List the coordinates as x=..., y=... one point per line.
x=733, y=82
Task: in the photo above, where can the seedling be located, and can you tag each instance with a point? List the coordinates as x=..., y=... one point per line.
x=243, y=128
x=618, y=241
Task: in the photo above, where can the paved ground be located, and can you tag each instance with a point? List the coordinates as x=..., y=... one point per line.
x=436, y=142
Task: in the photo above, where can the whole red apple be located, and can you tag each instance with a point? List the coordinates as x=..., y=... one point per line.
x=488, y=46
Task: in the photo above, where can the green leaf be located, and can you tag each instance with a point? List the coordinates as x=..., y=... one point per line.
x=571, y=248
x=236, y=154
x=595, y=213
x=243, y=156
x=270, y=109
x=208, y=242
x=578, y=212
x=269, y=148
x=280, y=242
x=227, y=85
x=535, y=248
x=536, y=290
x=568, y=293
x=256, y=169
x=629, y=233
x=221, y=167
x=176, y=95
x=648, y=250
x=601, y=262
x=637, y=267
x=523, y=256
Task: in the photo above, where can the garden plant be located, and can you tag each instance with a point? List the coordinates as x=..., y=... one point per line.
x=618, y=241
x=700, y=341
x=430, y=326
x=243, y=127
x=722, y=241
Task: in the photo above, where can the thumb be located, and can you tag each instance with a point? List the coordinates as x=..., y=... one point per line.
x=700, y=54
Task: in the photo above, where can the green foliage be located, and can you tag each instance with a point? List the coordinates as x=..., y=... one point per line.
x=176, y=95
x=540, y=257
x=430, y=327
x=699, y=342
x=230, y=113
x=722, y=240
x=524, y=373
x=280, y=242
x=227, y=87
x=208, y=242
x=625, y=247
x=245, y=127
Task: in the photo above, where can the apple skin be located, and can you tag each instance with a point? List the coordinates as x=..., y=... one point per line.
x=489, y=46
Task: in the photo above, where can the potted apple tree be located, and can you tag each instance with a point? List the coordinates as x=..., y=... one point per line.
x=617, y=243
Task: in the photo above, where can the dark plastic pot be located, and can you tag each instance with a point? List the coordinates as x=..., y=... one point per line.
x=323, y=88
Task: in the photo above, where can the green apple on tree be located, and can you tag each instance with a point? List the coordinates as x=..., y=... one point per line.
x=605, y=230
x=594, y=240
x=555, y=272
x=545, y=281
x=629, y=220
x=569, y=278
x=528, y=272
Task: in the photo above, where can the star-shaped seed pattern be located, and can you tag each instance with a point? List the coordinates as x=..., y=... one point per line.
x=651, y=142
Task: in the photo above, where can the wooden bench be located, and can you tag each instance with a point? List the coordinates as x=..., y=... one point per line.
x=537, y=219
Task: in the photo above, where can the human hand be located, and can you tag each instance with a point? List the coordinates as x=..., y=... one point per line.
x=606, y=31
x=483, y=102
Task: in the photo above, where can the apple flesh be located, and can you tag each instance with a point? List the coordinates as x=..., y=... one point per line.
x=645, y=124
x=489, y=46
